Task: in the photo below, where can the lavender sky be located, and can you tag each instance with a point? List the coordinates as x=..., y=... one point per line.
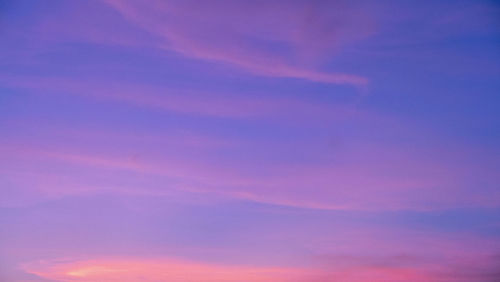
x=263, y=140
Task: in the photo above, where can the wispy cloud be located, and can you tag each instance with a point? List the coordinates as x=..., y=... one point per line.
x=186, y=101
x=222, y=32
x=404, y=182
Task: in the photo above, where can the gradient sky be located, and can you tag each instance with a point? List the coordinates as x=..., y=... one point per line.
x=263, y=140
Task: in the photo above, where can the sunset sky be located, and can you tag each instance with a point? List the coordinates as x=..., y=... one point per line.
x=249, y=140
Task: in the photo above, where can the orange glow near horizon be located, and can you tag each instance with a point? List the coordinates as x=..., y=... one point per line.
x=157, y=270
x=133, y=269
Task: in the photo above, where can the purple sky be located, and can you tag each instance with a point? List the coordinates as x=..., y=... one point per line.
x=231, y=140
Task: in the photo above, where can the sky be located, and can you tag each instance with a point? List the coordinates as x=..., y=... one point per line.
x=234, y=140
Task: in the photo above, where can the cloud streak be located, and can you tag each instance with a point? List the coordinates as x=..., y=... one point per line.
x=388, y=186
x=220, y=32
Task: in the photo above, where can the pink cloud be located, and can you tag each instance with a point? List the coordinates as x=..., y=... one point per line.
x=365, y=178
x=223, y=31
x=404, y=255
x=364, y=174
x=226, y=105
